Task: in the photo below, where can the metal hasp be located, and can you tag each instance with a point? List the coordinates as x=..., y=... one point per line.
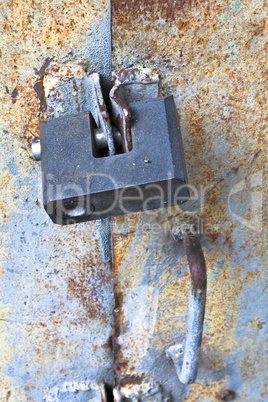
x=81, y=183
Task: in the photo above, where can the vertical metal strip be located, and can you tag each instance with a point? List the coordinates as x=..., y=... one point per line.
x=99, y=56
x=99, y=52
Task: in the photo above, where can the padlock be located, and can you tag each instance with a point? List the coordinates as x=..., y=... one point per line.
x=81, y=182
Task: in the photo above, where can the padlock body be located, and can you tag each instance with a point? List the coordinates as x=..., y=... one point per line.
x=79, y=187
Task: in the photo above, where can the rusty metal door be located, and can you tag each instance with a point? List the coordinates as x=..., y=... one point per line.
x=57, y=311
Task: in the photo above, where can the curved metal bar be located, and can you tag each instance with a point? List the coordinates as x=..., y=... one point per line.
x=132, y=85
x=196, y=310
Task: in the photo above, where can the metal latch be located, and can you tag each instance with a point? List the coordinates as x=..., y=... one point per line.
x=122, y=154
x=96, y=165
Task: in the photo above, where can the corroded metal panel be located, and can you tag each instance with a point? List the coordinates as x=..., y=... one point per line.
x=211, y=57
x=56, y=291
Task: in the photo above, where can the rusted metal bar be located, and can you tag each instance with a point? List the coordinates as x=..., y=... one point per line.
x=131, y=85
x=187, y=372
x=196, y=309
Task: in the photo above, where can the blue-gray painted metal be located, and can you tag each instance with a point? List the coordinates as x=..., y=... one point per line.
x=195, y=319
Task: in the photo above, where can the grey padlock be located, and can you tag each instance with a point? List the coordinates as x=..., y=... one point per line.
x=78, y=186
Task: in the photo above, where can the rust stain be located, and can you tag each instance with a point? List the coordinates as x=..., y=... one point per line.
x=256, y=322
x=86, y=285
x=129, y=380
x=197, y=264
x=204, y=389
x=171, y=311
x=54, y=69
x=42, y=71
x=122, y=244
x=224, y=295
x=6, y=180
x=167, y=10
x=214, y=364
x=39, y=85
x=40, y=93
x=226, y=395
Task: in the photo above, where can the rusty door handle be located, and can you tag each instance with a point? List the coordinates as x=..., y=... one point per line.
x=196, y=310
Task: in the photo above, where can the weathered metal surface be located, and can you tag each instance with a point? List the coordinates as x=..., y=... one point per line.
x=56, y=291
x=211, y=56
